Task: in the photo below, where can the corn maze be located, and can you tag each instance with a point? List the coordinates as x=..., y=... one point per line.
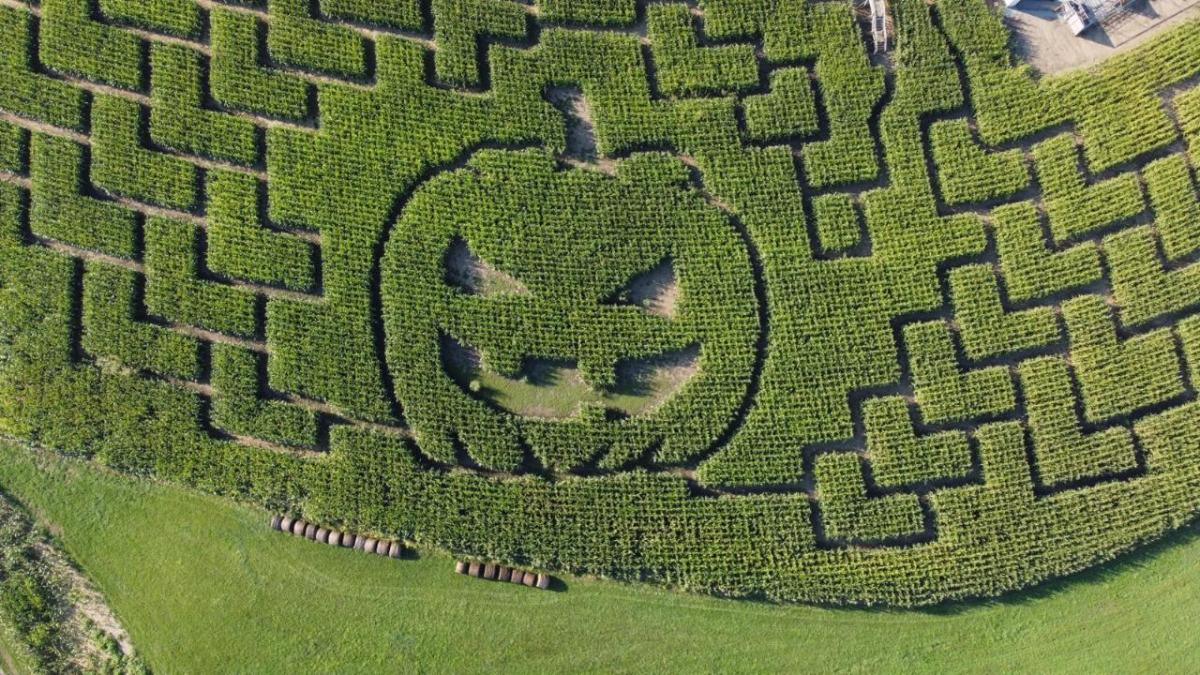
x=938, y=318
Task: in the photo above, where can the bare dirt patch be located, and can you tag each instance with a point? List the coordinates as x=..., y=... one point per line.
x=581, y=130
x=88, y=610
x=475, y=276
x=656, y=290
x=657, y=379
x=581, y=150
x=1045, y=43
x=85, y=635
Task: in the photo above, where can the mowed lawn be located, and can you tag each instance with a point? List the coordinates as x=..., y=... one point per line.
x=204, y=586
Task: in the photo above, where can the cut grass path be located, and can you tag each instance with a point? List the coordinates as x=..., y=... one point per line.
x=204, y=586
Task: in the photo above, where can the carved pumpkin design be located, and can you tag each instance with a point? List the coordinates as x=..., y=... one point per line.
x=627, y=300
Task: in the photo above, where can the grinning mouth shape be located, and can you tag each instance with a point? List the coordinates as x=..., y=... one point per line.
x=555, y=389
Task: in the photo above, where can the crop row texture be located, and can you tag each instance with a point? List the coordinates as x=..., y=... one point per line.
x=940, y=318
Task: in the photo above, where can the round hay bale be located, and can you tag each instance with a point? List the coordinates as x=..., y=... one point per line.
x=395, y=550
x=383, y=547
x=333, y=538
x=474, y=569
x=285, y=525
x=489, y=571
x=503, y=573
x=310, y=531
x=517, y=576
x=360, y=542
x=276, y=521
x=347, y=540
x=298, y=527
x=369, y=547
x=543, y=581
x=530, y=579
x=322, y=533
x=460, y=567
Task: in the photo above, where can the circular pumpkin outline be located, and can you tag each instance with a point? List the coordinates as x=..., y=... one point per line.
x=444, y=442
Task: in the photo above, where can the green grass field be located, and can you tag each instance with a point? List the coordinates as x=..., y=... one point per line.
x=204, y=586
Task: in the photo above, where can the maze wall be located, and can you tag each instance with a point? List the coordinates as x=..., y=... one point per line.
x=945, y=316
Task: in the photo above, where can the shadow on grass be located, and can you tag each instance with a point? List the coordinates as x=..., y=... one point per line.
x=1135, y=559
x=1101, y=572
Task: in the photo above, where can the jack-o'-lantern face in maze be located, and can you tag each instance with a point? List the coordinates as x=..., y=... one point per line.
x=584, y=318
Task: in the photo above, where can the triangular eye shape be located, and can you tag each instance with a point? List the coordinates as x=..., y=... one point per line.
x=474, y=276
x=656, y=290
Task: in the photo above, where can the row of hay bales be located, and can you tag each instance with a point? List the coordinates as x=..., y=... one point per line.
x=323, y=535
x=502, y=573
